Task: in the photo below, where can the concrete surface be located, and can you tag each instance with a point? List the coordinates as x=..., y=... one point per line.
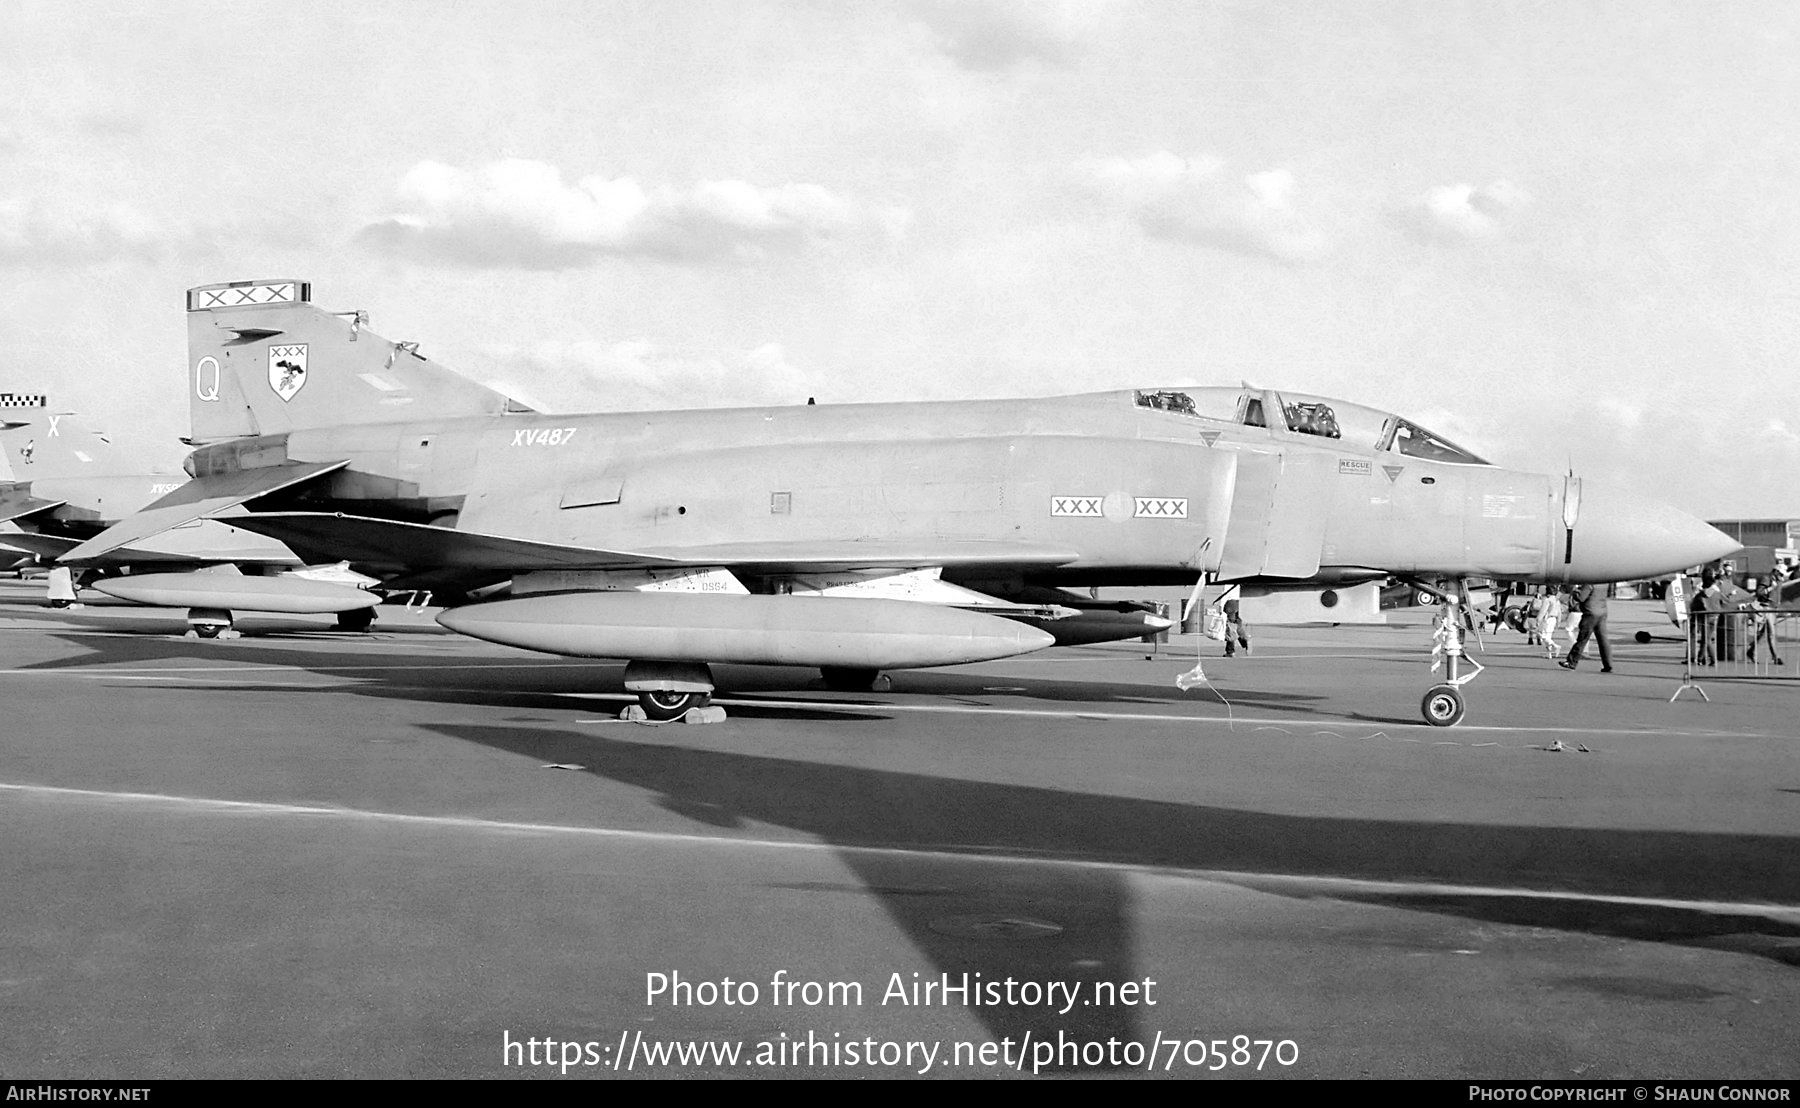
x=307, y=853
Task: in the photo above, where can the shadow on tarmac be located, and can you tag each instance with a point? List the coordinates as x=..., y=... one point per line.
x=415, y=677
x=1034, y=921
x=1655, y=923
x=910, y=837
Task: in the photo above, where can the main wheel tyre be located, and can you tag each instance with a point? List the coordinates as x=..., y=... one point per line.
x=849, y=678
x=662, y=704
x=1443, y=705
x=208, y=630
x=356, y=619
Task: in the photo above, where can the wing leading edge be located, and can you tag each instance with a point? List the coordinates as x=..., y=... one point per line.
x=198, y=499
x=417, y=546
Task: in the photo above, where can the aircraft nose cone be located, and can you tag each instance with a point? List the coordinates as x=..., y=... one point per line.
x=1620, y=536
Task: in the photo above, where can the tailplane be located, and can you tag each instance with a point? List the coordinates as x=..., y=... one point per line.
x=263, y=360
x=41, y=445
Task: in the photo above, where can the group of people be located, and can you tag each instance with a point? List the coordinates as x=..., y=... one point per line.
x=1719, y=594
x=1580, y=613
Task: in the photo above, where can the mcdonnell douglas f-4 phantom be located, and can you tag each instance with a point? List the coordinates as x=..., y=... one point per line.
x=68, y=484
x=853, y=538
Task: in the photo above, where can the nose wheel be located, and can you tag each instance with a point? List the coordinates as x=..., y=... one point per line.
x=1443, y=705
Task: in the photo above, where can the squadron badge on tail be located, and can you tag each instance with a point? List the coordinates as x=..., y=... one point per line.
x=287, y=369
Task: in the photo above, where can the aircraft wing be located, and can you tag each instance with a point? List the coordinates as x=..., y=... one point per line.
x=390, y=542
x=150, y=552
x=199, y=498
x=16, y=504
x=416, y=546
x=44, y=546
x=848, y=554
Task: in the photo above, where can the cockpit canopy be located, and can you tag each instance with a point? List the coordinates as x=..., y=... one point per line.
x=1297, y=414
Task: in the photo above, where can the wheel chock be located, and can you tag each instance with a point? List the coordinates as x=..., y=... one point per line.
x=712, y=713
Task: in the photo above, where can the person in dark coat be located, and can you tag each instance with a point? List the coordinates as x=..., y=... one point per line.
x=1590, y=600
x=1759, y=627
x=1234, y=628
x=1722, y=596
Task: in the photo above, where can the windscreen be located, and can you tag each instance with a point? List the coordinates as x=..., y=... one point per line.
x=1416, y=442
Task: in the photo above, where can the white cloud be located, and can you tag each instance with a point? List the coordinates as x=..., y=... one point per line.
x=1464, y=213
x=995, y=35
x=1198, y=201
x=1624, y=413
x=521, y=213
x=1688, y=452
x=36, y=232
x=1777, y=432
x=112, y=124
x=639, y=375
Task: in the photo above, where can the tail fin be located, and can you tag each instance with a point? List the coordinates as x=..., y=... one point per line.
x=41, y=445
x=264, y=361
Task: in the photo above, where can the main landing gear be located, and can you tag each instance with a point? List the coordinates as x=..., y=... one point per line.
x=356, y=619
x=210, y=623
x=663, y=704
x=850, y=678
x=215, y=623
x=670, y=690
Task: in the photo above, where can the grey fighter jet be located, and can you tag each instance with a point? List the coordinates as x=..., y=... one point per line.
x=853, y=538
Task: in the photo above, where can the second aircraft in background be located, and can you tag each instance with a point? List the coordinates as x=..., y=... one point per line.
x=66, y=483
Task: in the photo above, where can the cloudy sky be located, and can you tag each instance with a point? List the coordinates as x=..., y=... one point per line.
x=1560, y=233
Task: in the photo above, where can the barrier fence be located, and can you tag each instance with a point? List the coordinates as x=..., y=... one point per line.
x=1746, y=643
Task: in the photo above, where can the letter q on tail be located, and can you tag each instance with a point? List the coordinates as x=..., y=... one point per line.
x=203, y=388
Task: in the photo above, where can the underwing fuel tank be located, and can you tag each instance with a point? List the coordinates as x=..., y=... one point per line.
x=1100, y=626
x=752, y=630
x=230, y=592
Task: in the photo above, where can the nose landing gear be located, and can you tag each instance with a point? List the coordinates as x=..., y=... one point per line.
x=1443, y=705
